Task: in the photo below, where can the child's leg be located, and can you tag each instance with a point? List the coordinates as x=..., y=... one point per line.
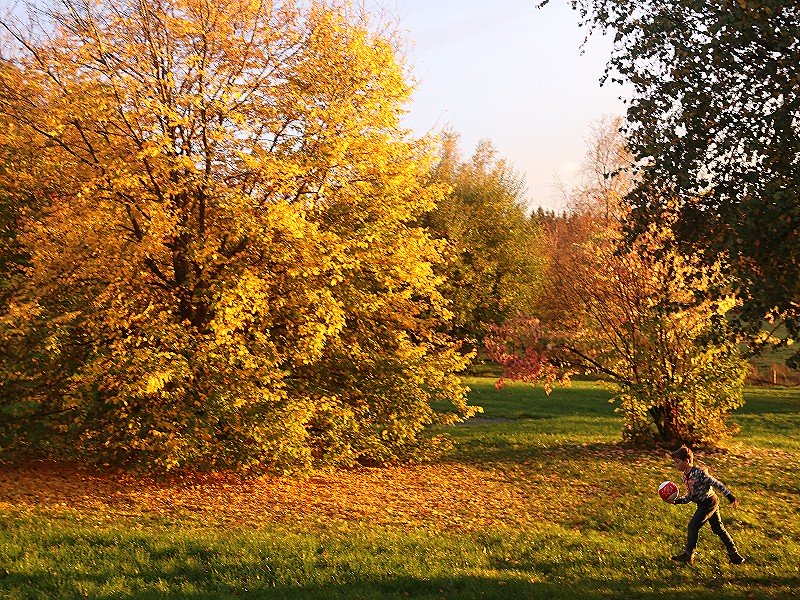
x=717, y=527
x=705, y=510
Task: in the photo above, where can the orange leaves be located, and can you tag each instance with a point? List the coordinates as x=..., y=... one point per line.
x=434, y=497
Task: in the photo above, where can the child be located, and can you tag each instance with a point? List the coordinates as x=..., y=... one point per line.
x=699, y=486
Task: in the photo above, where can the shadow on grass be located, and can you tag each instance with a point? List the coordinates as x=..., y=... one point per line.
x=137, y=567
x=163, y=586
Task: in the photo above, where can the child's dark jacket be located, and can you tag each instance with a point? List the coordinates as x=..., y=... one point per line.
x=699, y=486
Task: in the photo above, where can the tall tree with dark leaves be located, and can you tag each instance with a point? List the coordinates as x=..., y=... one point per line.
x=714, y=120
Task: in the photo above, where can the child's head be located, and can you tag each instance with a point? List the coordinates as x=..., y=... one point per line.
x=683, y=457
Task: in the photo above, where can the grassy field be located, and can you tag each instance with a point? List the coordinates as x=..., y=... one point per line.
x=537, y=500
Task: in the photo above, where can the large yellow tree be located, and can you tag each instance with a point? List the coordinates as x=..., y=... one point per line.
x=221, y=270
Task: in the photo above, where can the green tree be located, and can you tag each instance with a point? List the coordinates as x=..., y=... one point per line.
x=714, y=120
x=225, y=269
x=495, y=258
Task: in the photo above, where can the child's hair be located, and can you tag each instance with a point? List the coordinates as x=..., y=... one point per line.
x=683, y=453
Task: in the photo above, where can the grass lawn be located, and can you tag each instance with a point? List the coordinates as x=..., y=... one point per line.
x=537, y=500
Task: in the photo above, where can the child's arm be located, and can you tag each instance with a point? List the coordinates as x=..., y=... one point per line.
x=722, y=488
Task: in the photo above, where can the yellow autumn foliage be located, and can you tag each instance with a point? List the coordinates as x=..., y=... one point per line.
x=222, y=240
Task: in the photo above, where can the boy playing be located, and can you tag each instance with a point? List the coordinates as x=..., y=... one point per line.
x=699, y=486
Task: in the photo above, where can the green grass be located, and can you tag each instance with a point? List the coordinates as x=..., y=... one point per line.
x=521, y=419
x=770, y=418
x=601, y=532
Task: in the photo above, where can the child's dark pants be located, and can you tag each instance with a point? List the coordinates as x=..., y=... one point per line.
x=707, y=511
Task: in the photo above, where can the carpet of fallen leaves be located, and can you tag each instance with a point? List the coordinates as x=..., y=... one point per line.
x=435, y=497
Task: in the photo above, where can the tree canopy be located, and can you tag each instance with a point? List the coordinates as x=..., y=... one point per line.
x=714, y=121
x=495, y=257
x=221, y=266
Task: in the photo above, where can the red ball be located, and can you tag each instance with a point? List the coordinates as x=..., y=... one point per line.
x=668, y=491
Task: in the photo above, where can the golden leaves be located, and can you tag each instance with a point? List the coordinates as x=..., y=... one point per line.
x=434, y=497
x=234, y=241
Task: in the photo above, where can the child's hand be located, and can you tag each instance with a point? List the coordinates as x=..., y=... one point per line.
x=735, y=503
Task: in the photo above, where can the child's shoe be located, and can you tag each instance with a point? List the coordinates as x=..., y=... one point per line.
x=736, y=558
x=684, y=558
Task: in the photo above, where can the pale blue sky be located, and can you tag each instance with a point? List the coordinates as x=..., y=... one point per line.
x=509, y=72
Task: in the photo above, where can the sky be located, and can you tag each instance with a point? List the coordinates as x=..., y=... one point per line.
x=506, y=71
